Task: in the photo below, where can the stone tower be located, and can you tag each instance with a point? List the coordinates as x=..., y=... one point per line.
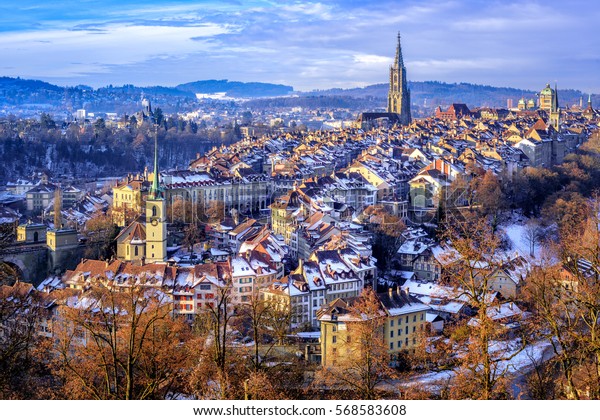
x=399, y=95
x=156, y=212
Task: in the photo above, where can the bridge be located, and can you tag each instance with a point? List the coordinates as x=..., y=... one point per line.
x=33, y=262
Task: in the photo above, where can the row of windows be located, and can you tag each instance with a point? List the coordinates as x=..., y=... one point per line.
x=343, y=286
x=421, y=317
x=399, y=331
x=399, y=343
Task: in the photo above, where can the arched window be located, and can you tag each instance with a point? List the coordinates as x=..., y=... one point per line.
x=35, y=237
x=154, y=211
x=135, y=251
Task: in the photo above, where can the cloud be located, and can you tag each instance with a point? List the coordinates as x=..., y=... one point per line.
x=308, y=44
x=100, y=49
x=371, y=59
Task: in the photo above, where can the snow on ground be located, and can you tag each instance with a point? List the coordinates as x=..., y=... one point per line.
x=516, y=234
x=519, y=364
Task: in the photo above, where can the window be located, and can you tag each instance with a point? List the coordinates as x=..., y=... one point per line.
x=399, y=332
x=391, y=323
x=414, y=318
x=406, y=330
x=153, y=211
x=399, y=344
x=334, y=328
x=334, y=339
x=414, y=328
x=391, y=334
x=421, y=317
x=407, y=319
x=406, y=341
x=135, y=249
x=391, y=346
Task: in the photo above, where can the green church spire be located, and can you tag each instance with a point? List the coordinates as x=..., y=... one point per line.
x=155, y=188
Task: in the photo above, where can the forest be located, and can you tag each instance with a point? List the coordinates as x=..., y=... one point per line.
x=97, y=150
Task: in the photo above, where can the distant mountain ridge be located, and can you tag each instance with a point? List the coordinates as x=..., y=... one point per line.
x=17, y=93
x=237, y=89
x=434, y=93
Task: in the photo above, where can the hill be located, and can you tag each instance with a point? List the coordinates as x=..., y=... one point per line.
x=30, y=97
x=433, y=93
x=237, y=89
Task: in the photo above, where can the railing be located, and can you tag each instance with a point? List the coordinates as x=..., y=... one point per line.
x=19, y=249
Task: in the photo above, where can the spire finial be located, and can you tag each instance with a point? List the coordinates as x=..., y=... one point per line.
x=399, y=60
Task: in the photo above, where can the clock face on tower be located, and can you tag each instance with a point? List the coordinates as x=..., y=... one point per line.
x=154, y=222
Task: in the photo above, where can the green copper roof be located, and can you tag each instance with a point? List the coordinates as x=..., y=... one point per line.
x=155, y=188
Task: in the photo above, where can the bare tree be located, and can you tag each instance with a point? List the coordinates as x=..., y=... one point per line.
x=215, y=374
x=554, y=318
x=482, y=370
x=115, y=343
x=21, y=310
x=364, y=366
x=533, y=234
x=101, y=232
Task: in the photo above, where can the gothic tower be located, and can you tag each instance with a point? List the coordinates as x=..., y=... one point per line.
x=156, y=212
x=399, y=95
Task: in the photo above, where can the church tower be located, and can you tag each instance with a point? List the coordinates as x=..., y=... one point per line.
x=399, y=95
x=156, y=212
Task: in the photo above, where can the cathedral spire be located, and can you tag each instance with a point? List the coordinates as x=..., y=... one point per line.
x=555, y=98
x=399, y=60
x=155, y=188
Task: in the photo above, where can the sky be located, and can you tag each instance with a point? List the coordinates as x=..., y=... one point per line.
x=306, y=44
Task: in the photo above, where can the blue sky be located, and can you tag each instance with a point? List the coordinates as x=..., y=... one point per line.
x=306, y=44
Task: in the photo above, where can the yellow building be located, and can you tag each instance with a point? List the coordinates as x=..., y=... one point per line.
x=61, y=239
x=405, y=320
x=372, y=177
x=128, y=199
x=31, y=232
x=283, y=214
x=131, y=243
x=336, y=331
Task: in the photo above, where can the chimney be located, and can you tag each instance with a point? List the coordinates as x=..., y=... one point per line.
x=390, y=292
x=398, y=290
x=300, y=265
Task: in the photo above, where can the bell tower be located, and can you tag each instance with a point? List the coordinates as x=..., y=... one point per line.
x=156, y=212
x=399, y=95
